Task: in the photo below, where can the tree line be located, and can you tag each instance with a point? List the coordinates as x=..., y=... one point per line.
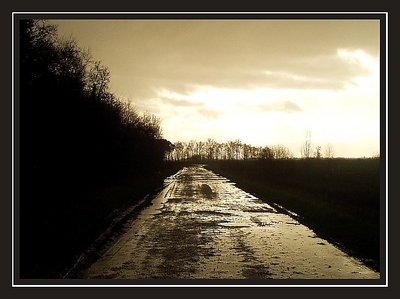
x=237, y=150
x=68, y=113
x=74, y=136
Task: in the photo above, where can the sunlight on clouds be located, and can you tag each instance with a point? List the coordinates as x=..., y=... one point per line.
x=269, y=116
x=295, y=77
x=358, y=56
x=264, y=82
x=364, y=83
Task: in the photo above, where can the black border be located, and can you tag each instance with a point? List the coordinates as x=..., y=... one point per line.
x=18, y=17
x=106, y=292
x=381, y=17
x=205, y=16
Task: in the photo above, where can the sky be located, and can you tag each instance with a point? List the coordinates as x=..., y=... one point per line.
x=264, y=82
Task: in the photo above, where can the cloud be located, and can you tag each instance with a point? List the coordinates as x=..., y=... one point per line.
x=291, y=107
x=286, y=106
x=359, y=58
x=208, y=74
x=209, y=113
x=144, y=56
x=330, y=71
x=179, y=102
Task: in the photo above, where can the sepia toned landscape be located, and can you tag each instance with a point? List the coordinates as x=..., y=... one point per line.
x=199, y=150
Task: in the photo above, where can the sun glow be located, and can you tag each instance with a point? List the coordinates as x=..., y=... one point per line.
x=269, y=116
x=263, y=82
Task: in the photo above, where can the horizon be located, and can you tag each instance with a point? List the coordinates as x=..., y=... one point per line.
x=264, y=82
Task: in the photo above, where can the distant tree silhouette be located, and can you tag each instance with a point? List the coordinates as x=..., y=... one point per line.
x=317, y=153
x=306, y=149
x=329, y=152
x=231, y=150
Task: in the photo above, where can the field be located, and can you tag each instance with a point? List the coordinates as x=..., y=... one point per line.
x=338, y=198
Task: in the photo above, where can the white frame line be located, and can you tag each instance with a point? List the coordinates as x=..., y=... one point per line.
x=198, y=13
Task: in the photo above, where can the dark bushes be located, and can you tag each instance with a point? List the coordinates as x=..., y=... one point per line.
x=75, y=139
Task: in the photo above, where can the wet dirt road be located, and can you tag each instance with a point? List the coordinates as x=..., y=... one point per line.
x=200, y=226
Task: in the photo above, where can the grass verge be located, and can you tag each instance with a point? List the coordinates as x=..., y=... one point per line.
x=337, y=198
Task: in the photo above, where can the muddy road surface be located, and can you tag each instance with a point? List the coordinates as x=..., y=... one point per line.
x=201, y=226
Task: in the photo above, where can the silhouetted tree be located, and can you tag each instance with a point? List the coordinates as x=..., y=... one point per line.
x=231, y=150
x=306, y=149
x=74, y=135
x=317, y=153
x=329, y=152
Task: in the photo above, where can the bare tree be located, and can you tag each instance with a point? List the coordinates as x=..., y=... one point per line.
x=179, y=151
x=218, y=151
x=230, y=148
x=376, y=155
x=281, y=152
x=306, y=149
x=317, y=153
x=246, y=151
x=329, y=152
x=151, y=125
x=199, y=149
x=237, y=149
x=190, y=148
x=99, y=78
x=225, y=150
x=266, y=153
x=209, y=147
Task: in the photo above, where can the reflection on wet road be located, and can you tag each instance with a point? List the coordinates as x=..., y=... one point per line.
x=203, y=227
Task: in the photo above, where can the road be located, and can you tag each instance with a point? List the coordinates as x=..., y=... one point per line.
x=201, y=226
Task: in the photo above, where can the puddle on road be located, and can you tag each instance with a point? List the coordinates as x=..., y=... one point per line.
x=202, y=226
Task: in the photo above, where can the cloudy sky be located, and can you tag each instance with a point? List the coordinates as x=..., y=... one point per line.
x=265, y=82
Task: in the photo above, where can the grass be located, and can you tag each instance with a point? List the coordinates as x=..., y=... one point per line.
x=337, y=198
